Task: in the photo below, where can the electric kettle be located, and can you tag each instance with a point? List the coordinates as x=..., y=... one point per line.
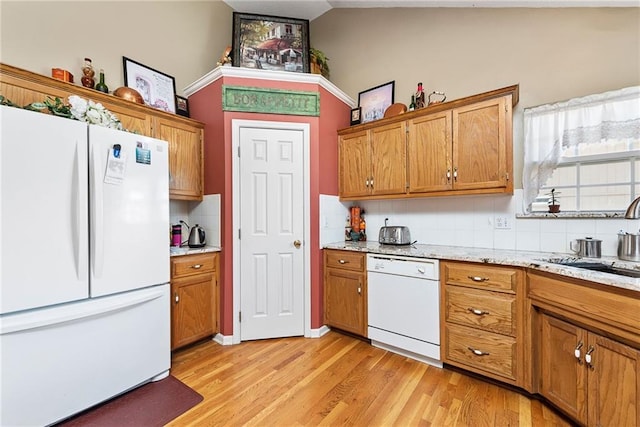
x=197, y=237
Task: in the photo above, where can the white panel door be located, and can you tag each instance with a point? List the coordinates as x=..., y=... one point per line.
x=43, y=210
x=271, y=227
x=129, y=205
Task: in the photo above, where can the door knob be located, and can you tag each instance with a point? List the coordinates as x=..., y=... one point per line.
x=297, y=244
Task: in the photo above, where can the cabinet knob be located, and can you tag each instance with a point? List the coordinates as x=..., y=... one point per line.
x=176, y=298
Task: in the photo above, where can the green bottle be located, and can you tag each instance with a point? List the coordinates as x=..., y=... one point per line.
x=101, y=86
x=412, y=106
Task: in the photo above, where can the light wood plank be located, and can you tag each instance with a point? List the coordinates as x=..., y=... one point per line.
x=339, y=380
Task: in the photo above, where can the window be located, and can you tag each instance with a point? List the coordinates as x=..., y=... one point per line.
x=587, y=183
x=586, y=149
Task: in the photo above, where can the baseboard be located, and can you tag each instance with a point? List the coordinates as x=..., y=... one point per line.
x=317, y=333
x=223, y=339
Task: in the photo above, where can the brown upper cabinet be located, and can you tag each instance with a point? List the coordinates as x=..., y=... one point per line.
x=459, y=147
x=185, y=136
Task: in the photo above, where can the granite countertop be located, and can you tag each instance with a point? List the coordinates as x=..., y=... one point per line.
x=533, y=260
x=186, y=250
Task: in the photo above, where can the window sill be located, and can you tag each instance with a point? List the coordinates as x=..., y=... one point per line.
x=576, y=215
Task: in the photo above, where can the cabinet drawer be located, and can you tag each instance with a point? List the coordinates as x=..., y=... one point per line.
x=481, y=276
x=192, y=264
x=483, y=351
x=345, y=260
x=489, y=311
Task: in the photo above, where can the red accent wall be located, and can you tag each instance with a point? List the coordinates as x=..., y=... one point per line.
x=206, y=106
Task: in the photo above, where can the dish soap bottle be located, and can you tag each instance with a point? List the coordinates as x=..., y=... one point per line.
x=101, y=86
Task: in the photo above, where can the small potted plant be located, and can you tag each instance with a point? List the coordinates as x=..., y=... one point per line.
x=554, y=204
x=319, y=62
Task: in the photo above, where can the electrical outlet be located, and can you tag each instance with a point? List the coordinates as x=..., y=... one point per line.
x=502, y=223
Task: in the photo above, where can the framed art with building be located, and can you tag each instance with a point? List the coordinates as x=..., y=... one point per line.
x=270, y=42
x=375, y=101
x=157, y=89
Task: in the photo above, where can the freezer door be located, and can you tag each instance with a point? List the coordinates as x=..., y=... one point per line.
x=129, y=211
x=43, y=210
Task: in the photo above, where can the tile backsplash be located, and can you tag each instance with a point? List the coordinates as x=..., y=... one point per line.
x=205, y=213
x=473, y=221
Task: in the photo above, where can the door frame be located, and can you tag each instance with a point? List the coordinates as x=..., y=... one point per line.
x=236, y=125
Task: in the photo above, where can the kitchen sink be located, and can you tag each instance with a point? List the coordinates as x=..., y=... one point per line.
x=596, y=266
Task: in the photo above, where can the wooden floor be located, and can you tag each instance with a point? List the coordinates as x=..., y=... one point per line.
x=340, y=380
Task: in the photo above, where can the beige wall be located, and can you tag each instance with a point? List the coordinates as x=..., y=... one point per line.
x=183, y=39
x=554, y=54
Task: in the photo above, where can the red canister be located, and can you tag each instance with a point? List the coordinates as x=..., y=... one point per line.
x=355, y=219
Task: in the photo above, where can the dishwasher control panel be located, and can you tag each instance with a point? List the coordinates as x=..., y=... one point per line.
x=423, y=268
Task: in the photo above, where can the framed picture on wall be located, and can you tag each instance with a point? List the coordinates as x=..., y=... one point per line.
x=270, y=43
x=157, y=89
x=375, y=101
x=182, y=106
x=355, y=116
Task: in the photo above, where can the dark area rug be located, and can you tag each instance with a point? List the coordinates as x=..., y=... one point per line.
x=151, y=405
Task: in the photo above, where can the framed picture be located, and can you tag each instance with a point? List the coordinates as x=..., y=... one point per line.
x=157, y=89
x=270, y=43
x=375, y=101
x=355, y=116
x=182, y=106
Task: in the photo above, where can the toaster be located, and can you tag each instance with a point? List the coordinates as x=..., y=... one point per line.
x=394, y=235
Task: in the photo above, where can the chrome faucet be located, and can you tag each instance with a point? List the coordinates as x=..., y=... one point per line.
x=633, y=211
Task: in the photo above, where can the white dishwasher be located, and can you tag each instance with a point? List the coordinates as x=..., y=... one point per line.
x=404, y=306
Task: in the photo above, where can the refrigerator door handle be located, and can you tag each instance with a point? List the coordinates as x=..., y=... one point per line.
x=98, y=215
x=76, y=221
x=84, y=311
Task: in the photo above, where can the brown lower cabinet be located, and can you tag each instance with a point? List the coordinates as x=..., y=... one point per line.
x=588, y=360
x=595, y=380
x=194, y=298
x=345, y=291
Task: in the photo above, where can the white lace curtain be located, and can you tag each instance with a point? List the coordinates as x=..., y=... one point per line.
x=549, y=129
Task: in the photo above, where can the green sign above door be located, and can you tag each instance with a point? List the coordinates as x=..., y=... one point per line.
x=274, y=101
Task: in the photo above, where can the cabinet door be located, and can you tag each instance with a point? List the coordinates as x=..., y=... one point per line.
x=389, y=159
x=192, y=309
x=614, y=383
x=563, y=377
x=429, y=153
x=344, y=303
x=480, y=155
x=132, y=120
x=185, y=158
x=354, y=164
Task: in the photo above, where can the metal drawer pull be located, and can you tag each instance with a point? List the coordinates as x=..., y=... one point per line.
x=478, y=278
x=587, y=357
x=343, y=261
x=197, y=266
x=177, y=298
x=477, y=312
x=478, y=352
x=577, y=352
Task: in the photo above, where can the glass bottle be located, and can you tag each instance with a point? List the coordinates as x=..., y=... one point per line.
x=412, y=106
x=420, y=97
x=87, y=74
x=101, y=86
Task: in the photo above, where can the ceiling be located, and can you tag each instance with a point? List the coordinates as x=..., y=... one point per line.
x=311, y=9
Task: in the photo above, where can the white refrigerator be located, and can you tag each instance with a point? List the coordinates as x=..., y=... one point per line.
x=84, y=265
